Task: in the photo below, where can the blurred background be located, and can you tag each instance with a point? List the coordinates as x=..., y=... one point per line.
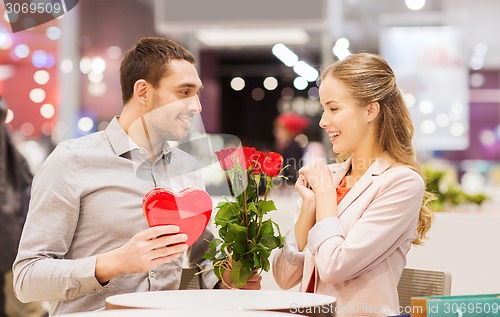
x=259, y=59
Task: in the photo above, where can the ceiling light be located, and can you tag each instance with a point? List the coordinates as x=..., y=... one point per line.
x=37, y=95
x=305, y=70
x=284, y=54
x=98, y=65
x=300, y=83
x=415, y=4
x=341, y=48
x=85, y=124
x=41, y=77
x=270, y=83
x=22, y=51
x=47, y=111
x=53, y=33
x=237, y=83
x=252, y=37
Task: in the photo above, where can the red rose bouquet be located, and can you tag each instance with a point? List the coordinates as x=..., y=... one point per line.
x=246, y=238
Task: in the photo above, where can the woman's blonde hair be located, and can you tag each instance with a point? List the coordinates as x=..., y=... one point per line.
x=369, y=78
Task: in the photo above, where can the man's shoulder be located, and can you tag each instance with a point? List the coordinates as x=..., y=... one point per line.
x=84, y=143
x=77, y=148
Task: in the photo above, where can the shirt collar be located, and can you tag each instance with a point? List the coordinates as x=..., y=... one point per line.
x=119, y=139
x=122, y=143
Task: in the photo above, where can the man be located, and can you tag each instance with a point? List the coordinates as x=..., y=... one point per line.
x=86, y=237
x=15, y=184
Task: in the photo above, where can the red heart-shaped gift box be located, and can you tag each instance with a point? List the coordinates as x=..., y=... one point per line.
x=190, y=210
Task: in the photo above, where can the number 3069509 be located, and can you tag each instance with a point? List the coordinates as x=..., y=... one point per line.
x=33, y=8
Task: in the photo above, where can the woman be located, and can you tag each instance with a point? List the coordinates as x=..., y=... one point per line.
x=353, y=245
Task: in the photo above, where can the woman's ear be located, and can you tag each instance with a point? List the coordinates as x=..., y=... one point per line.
x=141, y=91
x=372, y=111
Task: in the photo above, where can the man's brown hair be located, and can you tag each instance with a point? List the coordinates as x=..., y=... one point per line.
x=148, y=60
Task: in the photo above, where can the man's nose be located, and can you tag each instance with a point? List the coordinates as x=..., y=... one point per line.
x=195, y=104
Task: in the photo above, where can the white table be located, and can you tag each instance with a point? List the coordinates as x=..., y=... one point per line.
x=176, y=313
x=231, y=300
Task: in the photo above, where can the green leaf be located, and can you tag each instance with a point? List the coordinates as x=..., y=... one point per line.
x=252, y=231
x=223, y=232
x=265, y=206
x=222, y=203
x=270, y=242
x=266, y=229
x=219, y=271
x=226, y=211
x=265, y=263
x=279, y=236
x=237, y=235
x=256, y=261
x=282, y=241
x=245, y=237
x=252, y=209
x=236, y=230
x=257, y=248
x=239, y=274
x=213, y=247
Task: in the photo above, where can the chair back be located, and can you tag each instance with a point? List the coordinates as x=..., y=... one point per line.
x=189, y=279
x=418, y=282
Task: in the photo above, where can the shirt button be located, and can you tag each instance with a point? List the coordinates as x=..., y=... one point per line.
x=152, y=274
x=141, y=151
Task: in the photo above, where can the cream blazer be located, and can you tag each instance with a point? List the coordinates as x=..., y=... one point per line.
x=359, y=256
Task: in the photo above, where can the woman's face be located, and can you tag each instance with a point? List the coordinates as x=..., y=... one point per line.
x=345, y=121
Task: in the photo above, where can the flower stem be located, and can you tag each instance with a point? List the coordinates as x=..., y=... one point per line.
x=245, y=210
x=268, y=187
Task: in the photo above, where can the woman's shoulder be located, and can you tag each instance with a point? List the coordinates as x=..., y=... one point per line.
x=404, y=173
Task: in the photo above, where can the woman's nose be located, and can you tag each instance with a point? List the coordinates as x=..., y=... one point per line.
x=323, y=121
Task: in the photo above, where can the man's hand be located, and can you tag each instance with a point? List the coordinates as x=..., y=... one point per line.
x=144, y=251
x=253, y=282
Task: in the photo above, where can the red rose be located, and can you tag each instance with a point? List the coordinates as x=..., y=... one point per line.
x=272, y=164
x=225, y=157
x=258, y=161
x=246, y=157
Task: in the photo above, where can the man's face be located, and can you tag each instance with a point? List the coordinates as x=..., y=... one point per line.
x=174, y=102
